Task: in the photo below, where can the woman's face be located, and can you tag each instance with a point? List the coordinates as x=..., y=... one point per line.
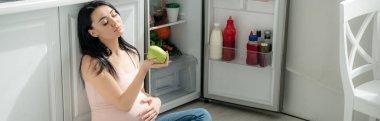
x=106, y=23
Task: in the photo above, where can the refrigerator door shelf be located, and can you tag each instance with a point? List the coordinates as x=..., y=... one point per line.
x=245, y=83
x=255, y=59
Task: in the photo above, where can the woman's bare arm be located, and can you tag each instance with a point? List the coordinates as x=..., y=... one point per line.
x=107, y=86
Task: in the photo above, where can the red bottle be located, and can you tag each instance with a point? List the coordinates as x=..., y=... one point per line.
x=229, y=36
x=252, y=50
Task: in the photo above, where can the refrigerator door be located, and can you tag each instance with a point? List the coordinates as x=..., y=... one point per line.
x=234, y=81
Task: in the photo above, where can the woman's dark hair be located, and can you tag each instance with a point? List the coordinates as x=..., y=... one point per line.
x=92, y=46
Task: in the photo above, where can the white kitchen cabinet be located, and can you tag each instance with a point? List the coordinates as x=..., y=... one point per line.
x=30, y=81
x=76, y=106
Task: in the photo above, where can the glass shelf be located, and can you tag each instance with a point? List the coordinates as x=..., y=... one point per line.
x=238, y=56
x=168, y=24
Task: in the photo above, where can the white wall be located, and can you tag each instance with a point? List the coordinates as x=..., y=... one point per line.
x=313, y=88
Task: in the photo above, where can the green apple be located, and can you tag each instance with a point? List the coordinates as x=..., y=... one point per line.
x=155, y=52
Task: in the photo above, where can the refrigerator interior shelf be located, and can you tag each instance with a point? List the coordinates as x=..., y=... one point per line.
x=168, y=24
x=242, y=57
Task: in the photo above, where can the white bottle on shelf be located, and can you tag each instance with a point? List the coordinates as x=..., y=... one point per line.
x=216, y=42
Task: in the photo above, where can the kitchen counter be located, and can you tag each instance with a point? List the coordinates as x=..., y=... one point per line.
x=17, y=6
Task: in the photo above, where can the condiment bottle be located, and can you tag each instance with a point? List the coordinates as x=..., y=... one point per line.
x=259, y=37
x=267, y=39
x=229, y=36
x=252, y=49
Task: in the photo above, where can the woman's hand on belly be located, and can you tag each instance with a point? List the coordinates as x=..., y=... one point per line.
x=152, y=112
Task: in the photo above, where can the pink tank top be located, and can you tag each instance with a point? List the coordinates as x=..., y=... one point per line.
x=101, y=110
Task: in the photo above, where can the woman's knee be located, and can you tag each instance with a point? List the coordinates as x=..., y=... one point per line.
x=204, y=113
x=202, y=110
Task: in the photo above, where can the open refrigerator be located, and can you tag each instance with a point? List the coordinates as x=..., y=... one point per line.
x=194, y=75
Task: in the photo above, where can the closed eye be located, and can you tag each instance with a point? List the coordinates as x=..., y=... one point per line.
x=114, y=14
x=104, y=18
x=105, y=22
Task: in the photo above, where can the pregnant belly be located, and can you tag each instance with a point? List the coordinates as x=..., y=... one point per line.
x=138, y=106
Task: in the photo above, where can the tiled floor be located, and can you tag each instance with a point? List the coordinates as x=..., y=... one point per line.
x=220, y=112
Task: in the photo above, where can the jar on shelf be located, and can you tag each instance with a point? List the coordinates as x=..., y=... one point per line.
x=264, y=54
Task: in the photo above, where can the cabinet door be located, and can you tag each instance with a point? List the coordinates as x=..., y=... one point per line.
x=30, y=81
x=75, y=98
